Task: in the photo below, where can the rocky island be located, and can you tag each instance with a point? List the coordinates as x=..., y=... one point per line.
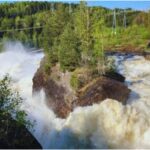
x=62, y=98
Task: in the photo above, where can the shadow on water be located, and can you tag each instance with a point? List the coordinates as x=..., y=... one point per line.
x=66, y=139
x=133, y=97
x=129, y=83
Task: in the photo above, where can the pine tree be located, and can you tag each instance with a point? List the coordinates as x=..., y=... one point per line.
x=69, y=50
x=84, y=29
x=99, y=44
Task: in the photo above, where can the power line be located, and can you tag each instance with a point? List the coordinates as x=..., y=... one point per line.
x=21, y=29
x=119, y=13
x=70, y=9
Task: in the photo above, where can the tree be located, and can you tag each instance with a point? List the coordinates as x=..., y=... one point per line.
x=69, y=49
x=10, y=102
x=54, y=28
x=98, y=50
x=13, y=124
x=84, y=29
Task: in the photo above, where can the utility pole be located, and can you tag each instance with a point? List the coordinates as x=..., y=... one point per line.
x=124, y=20
x=70, y=8
x=52, y=7
x=149, y=19
x=114, y=22
x=46, y=7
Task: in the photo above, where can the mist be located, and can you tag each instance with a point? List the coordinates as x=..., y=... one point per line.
x=108, y=124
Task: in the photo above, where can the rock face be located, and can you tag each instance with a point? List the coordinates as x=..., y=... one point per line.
x=100, y=89
x=148, y=44
x=16, y=137
x=62, y=99
x=115, y=76
x=126, y=49
x=147, y=55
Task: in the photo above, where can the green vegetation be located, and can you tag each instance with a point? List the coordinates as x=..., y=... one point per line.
x=74, y=82
x=69, y=49
x=76, y=38
x=9, y=104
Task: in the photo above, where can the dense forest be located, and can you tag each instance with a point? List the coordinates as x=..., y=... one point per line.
x=73, y=35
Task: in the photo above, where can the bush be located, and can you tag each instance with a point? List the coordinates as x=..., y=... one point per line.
x=47, y=68
x=110, y=65
x=74, y=82
x=10, y=102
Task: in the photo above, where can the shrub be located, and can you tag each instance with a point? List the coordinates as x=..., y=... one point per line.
x=74, y=82
x=110, y=65
x=10, y=102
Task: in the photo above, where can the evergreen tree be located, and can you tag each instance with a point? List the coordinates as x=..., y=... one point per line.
x=98, y=51
x=69, y=49
x=84, y=29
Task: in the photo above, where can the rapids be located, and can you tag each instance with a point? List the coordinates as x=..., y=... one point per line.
x=106, y=125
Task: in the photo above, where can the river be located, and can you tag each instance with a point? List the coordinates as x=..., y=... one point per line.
x=106, y=125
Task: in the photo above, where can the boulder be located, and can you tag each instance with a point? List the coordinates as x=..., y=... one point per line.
x=101, y=89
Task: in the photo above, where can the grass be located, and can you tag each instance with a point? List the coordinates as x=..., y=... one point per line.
x=134, y=36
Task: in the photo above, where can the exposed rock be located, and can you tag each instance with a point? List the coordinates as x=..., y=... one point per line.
x=16, y=136
x=63, y=99
x=126, y=49
x=148, y=45
x=100, y=89
x=146, y=55
x=57, y=89
x=115, y=76
x=39, y=78
x=128, y=53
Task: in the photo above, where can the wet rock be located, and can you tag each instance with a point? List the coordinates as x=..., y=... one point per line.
x=62, y=99
x=101, y=89
x=148, y=44
x=58, y=94
x=146, y=54
x=16, y=136
x=115, y=76
x=147, y=57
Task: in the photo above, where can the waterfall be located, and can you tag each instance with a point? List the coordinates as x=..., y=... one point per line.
x=108, y=124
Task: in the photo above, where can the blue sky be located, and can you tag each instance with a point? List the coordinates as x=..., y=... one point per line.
x=135, y=4
x=140, y=5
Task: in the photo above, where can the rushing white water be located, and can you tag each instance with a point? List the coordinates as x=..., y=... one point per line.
x=106, y=125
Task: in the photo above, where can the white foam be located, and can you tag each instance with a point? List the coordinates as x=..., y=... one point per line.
x=106, y=125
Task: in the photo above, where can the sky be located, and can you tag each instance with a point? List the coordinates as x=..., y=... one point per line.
x=139, y=5
x=134, y=4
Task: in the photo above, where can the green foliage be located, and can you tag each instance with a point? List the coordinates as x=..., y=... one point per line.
x=83, y=25
x=74, y=39
x=75, y=82
x=110, y=65
x=1, y=47
x=47, y=67
x=69, y=49
x=10, y=102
